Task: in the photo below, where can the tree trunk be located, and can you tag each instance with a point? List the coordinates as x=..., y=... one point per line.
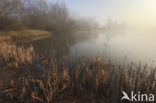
x=18, y=11
x=19, y=18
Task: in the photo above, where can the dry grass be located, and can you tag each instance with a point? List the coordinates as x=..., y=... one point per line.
x=10, y=53
x=78, y=82
x=24, y=35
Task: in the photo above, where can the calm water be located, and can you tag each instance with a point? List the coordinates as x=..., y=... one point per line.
x=130, y=45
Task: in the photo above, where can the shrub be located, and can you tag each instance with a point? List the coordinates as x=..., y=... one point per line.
x=7, y=23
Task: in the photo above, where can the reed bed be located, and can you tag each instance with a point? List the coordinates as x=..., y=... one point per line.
x=83, y=81
x=10, y=53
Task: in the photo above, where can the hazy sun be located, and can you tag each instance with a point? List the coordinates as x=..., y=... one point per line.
x=143, y=14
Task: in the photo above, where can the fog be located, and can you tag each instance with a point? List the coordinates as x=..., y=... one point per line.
x=140, y=13
x=109, y=29
x=136, y=39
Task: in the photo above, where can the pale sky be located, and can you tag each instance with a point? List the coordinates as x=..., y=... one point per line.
x=134, y=12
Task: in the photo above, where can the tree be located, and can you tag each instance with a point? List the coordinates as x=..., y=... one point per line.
x=18, y=8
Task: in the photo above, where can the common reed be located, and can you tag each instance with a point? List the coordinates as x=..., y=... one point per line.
x=83, y=81
x=11, y=53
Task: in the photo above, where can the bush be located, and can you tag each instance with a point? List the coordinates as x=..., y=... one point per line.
x=7, y=23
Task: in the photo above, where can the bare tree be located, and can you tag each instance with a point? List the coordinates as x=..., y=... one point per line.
x=18, y=7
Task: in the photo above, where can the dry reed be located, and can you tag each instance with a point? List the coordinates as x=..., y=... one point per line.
x=82, y=81
x=11, y=53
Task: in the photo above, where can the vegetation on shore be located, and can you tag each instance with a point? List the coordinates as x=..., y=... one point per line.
x=37, y=79
x=51, y=16
x=25, y=35
x=29, y=77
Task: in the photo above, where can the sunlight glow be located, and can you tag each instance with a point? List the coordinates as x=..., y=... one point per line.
x=143, y=14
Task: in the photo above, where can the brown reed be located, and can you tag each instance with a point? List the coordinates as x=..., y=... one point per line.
x=83, y=81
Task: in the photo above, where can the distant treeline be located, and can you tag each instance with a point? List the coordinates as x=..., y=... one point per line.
x=40, y=14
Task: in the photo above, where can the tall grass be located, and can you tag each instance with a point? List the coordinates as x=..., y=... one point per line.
x=83, y=81
x=11, y=53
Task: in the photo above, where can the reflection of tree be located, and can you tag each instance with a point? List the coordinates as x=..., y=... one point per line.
x=112, y=34
x=113, y=29
x=56, y=45
x=114, y=26
x=61, y=43
x=81, y=36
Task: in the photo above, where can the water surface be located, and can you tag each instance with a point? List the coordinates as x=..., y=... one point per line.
x=117, y=46
x=130, y=45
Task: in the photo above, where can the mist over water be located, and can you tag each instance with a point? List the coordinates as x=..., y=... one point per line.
x=114, y=30
x=71, y=51
x=136, y=45
x=126, y=44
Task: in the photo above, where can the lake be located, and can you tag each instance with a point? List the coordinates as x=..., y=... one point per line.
x=118, y=47
x=131, y=45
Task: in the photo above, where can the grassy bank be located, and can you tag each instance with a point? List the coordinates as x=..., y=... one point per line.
x=24, y=35
x=26, y=77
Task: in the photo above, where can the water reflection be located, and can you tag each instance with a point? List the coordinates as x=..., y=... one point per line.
x=135, y=45
x=109, y=45
x=61, y=44
x=53, y=46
